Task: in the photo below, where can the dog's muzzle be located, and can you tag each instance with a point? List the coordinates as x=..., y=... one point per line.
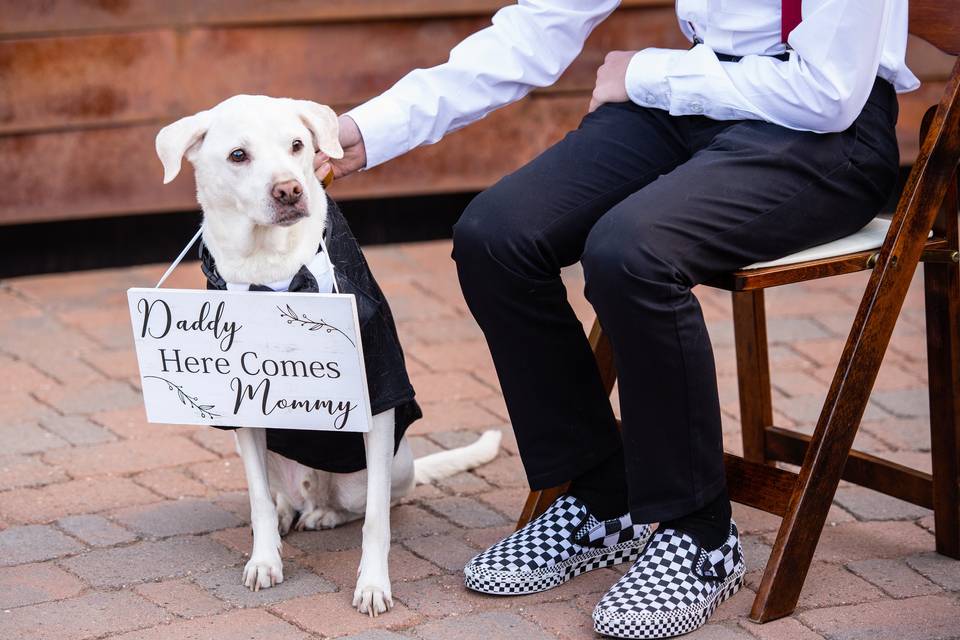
x=289, y=204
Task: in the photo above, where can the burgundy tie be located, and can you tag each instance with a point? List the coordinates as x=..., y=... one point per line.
x=789, y=18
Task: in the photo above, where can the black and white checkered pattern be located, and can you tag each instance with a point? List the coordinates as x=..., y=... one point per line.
x=673, y=588
x=722, y=562
x=613, y=532
x=562, y=543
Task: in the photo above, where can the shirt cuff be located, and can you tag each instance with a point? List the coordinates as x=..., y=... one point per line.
x=384, y=128
x=646, y=78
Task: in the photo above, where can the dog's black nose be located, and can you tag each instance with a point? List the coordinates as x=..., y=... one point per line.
x=287, y=192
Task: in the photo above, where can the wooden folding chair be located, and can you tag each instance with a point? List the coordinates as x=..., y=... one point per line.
x=929, y=203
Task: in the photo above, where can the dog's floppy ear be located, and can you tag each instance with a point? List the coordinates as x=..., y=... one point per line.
x=174, y=140
x=322, y=123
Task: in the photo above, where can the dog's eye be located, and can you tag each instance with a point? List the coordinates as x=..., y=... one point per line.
x=238, y=155
x=297, y=145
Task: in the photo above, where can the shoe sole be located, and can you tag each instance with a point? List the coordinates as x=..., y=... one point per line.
x=515, y=584
x=670, y=626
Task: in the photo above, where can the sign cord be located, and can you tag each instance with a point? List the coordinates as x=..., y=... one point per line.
x=180, y=257
x=323, y=246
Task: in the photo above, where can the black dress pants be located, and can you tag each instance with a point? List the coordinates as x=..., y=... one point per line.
x=651, y=204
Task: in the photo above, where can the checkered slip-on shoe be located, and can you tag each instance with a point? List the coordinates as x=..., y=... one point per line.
x=672, y=589
x=562, y=543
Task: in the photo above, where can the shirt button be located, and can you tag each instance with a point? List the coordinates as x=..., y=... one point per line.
x=696, y=107
x=650, y=98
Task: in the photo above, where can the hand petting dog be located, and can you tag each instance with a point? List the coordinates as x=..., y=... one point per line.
x=354, y=153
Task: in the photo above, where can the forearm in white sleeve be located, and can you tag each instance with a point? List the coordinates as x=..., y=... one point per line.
x=822, y=87
x=528, y=45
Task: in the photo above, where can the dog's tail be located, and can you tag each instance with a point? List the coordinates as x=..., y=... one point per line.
x=444, y=464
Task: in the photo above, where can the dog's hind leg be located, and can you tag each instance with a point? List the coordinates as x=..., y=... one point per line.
x=285, y=513
x=372, y=594
x=264, y=569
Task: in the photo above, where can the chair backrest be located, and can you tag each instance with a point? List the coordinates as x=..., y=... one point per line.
x=937, y=22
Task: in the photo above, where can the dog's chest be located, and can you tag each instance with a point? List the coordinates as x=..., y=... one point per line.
x=314, y=277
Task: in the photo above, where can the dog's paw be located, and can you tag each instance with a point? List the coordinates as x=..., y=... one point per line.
x=263, y=571
x=319, y=519
x=372, y=599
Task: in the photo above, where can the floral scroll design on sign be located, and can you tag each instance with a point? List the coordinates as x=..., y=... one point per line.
x=186, y=399
x=292, y=317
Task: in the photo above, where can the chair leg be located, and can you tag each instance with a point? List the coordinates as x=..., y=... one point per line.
x=942, y=288
x=753, y=372
x=942, y=282
x=538, y=501
x=816, y=485
x=603, y=352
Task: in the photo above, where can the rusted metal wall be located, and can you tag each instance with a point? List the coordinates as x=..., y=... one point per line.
x=86, y=84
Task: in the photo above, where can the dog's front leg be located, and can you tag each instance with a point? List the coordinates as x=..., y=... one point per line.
x=372, y=594
x=264, y=569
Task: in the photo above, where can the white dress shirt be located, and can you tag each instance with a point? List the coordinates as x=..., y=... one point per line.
x=837, y=51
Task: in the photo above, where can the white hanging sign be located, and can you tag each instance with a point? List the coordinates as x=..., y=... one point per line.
x=250, y=359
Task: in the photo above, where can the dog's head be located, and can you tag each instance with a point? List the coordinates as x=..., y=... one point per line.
x=253, y=156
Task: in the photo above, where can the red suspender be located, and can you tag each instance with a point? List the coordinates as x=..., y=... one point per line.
x=789, y=17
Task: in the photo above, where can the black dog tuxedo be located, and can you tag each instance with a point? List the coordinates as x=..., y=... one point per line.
x=387, y=379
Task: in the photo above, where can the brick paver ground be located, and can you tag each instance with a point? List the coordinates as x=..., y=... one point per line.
x=114, y=528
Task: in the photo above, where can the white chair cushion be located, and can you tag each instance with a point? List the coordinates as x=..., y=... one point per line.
x=870, y=237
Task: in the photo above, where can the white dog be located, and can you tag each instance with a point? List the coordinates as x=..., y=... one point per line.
x=264, y=214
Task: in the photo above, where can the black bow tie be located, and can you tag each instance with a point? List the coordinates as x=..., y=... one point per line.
x=303, y=282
